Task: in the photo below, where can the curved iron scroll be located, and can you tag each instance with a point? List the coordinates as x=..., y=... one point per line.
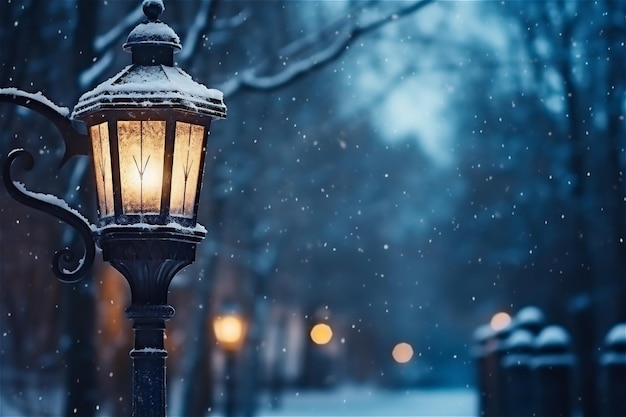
x=76, y=141
x=65, y=264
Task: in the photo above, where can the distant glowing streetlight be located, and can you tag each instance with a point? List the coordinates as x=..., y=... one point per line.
x=321, y=334
x=230, y=327
x=402, y=352
x=500, y=321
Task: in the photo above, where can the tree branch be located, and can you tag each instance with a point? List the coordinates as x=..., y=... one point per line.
x=199, y=24
x=251, y=80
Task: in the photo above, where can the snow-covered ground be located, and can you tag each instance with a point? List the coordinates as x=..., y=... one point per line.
x=363, y=401
x=356, y=401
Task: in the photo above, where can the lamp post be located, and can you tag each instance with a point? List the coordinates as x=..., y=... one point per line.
x=146, y=130
x=230, y=328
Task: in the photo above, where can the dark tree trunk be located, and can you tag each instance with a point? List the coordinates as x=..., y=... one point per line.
x=197, y=390
x=79, y=299
x=616, y=82
x=196, y=397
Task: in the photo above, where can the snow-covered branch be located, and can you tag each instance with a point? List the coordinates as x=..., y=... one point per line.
x=232, y=22
x=194, y=33
x=250, y=79
x=88, y=78
x=104, y=41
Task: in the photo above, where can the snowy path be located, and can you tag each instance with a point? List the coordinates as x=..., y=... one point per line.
x=356, y=402
x=362, y=402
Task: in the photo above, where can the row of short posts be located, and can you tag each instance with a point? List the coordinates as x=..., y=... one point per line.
x=529, y=369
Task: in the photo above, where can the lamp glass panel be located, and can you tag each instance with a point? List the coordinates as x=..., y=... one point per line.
x=141, y=149
x=102, y=165
x=186, y=168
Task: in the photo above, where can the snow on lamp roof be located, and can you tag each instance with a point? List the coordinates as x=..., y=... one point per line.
x=151, y=33
x=154, y=86
x=152, y=81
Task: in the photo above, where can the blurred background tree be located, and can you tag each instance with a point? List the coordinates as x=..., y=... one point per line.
x=404, y=168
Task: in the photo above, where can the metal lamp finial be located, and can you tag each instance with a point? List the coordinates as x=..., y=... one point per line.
x=153, y=9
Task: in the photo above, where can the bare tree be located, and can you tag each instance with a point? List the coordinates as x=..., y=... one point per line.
x=95, y=58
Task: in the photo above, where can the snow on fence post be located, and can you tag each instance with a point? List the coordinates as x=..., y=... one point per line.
x=499, y=383
x=488, y=352
x=613, y=372
x=518, y=373
x=553, y=368
x=529, y=318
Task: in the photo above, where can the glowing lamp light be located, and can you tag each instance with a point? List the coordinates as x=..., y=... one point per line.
x=158, y=165
x=230, y=330
x=402, y=352
x=321, y=334
x=500, y=321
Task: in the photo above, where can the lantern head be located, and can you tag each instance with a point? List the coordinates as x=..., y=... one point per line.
x=148, y=127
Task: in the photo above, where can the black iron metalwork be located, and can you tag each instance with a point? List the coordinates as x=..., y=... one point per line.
x=66, y=266
x=149, y=259
x=73, y=132
x=148, y=357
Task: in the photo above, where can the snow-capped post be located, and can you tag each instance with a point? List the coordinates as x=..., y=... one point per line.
x=231, y=328
x=517, y=371
x=488, y=350
x=516, y=365
x=553, y=369
x=529, y=318
x=483, y=339
x=146, y=130
x=496, y=349
x=613, y=372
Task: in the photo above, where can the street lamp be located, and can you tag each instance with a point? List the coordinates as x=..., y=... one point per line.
x=147, y=127
x=230, y=328
x=321, y=334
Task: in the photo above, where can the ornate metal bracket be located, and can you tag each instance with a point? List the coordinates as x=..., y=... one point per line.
x=65, y=264
x=76, y=141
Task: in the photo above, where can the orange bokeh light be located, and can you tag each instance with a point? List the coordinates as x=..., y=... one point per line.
x=402, y=352
x=321, y=334
x=500, y=321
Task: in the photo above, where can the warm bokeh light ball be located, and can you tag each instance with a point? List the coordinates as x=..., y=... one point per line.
x=402, y=352
x=321, y=334
x=500, y=321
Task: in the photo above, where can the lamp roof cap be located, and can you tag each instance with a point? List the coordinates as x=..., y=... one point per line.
x=153, y=32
